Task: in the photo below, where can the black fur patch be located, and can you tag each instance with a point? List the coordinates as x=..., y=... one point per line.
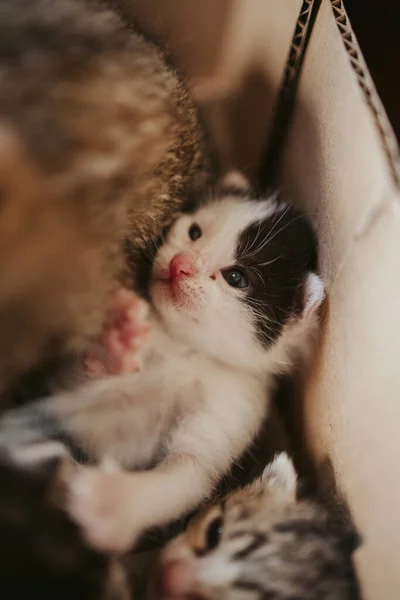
x=276, y=254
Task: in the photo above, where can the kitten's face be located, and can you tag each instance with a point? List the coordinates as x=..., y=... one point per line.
x=220, y=546
x=259, y=543
x=233, y=274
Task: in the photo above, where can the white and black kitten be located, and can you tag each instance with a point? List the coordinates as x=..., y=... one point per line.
x=234, y=301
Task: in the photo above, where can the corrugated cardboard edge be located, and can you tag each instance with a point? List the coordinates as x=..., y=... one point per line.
x=360, y=69
x=287, y=92
x=286, y=96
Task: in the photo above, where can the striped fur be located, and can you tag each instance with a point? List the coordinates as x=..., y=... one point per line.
x=271, y=547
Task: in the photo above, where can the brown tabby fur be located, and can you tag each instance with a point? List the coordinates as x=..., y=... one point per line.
x=99, y=141
x=262, y=543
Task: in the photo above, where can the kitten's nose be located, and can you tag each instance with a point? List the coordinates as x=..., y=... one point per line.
x=182, y=265
x=177, y=578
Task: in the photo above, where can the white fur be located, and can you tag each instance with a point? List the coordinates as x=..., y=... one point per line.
x=280, y=473
x=200, y=399
x=34, y=453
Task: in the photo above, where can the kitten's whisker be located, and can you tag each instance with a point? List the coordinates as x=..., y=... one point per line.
x=255, y=239
x=259, y=275
x=268, y=262
x=284, y=227
x=263, y=244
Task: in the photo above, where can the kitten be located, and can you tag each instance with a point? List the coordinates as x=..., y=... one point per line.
x=99, y=141
x=261, y=543
x=234, y=301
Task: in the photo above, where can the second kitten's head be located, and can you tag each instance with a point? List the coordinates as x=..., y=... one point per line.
x=235, y=277
x=260, y=543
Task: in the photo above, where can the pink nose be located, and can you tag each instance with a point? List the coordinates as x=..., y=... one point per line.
x=177, y=578
x=182, y=265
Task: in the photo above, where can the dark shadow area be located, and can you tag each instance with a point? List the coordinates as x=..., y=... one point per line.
x=43, y=554
x=376, y=26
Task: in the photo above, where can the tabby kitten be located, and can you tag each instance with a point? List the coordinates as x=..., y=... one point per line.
x=99, y=142
x=261, y=542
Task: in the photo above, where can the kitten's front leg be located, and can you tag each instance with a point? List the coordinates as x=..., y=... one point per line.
x=114, y=508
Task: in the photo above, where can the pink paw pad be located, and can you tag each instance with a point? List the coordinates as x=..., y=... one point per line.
x=124, y=336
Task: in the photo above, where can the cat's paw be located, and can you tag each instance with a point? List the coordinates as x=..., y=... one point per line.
x=100, y=502
x=125, y=335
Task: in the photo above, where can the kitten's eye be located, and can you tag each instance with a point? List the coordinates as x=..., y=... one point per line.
x=194, y=232
x=213, y=534
x=235, y=278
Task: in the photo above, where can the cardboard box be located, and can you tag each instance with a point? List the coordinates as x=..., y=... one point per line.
x=341, y=162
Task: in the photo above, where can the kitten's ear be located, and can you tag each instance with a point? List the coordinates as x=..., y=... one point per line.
x=280, y=474
x=313, y=294
x=235, y=180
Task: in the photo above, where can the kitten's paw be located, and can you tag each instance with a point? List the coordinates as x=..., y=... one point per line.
x=125, y=335
x=100, y=502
